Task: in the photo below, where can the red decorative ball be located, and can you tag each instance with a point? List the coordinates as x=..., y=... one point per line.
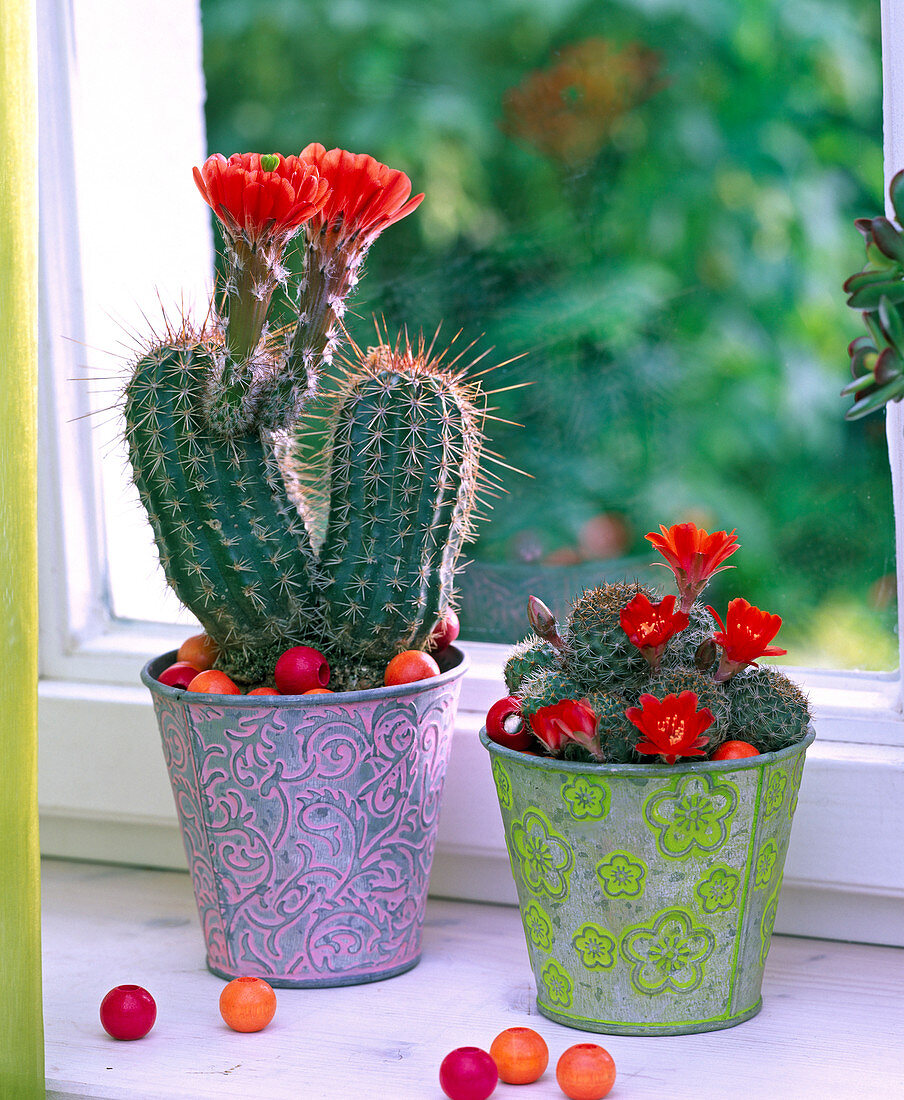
x=506, y=727
x=179, y=675
x=128, y=1012
x=299, y=669
x=468, y=1073
x=444, y=633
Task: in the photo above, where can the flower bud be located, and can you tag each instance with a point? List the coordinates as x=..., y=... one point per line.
x=543, y=622
x=705, y=656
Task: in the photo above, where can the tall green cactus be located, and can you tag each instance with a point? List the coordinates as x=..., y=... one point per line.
x=351, y=548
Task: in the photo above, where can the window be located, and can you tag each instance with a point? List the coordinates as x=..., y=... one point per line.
x=101, y=764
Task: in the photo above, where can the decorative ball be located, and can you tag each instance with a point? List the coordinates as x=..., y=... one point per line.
x=468, y=1073
x=410, y=666
x=213, y=682
x=586, y=1071
x=248, y=1004
x=199, y=650
x=444, y=633
x=506, y=727
x=520, y=1054
x=262, y=691
x=301, y=668
x=128, y=1012
x=734, y=750
x=179, y=675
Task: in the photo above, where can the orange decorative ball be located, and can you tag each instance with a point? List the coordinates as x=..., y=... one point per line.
x=248, y=1004
x=214, y=683
x=586, y=1071
x=262, y=691
x=734, y=750
x=199, y=650
x=410, y=666
x=520, y=1054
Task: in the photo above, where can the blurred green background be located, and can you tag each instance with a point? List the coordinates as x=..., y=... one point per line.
x=654, y=201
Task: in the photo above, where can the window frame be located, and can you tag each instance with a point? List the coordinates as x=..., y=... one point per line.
x=103, y=788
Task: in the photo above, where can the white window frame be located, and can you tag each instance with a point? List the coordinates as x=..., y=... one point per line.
x=104, y=793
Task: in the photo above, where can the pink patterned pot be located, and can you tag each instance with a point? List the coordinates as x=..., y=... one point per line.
x=310, y=822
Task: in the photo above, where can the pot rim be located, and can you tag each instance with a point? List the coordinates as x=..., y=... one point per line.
x=635, y=771
x=338, y=698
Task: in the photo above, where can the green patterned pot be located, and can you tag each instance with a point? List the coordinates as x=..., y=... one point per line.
x=648, y=892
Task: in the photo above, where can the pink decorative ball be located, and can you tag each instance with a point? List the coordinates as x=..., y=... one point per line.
x=468, y=1073
x=299, y=669
x=128, y=1012
x=179, y=675
x=444, y=633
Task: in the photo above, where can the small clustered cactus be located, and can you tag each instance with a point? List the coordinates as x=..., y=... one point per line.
x=629, y=676
x=296, y=495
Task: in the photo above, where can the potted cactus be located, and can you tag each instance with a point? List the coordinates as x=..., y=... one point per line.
x=309, y=508
x=647, y=772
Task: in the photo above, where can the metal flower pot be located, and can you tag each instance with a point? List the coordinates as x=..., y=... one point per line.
x=648, y=892
x=310, y=822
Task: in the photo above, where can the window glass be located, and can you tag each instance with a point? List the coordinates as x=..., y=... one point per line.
x=652, y=202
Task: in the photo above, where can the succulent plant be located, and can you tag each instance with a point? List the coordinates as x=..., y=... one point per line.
x=676, y=679
x=630, y=677
x=766, y=708
x=596, y=651
x=617, y=735
x=528, y=656
x=546, y=686
x=296, y=496
x=877, y=359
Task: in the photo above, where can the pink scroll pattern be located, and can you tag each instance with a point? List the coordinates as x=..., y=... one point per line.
x=310, y=829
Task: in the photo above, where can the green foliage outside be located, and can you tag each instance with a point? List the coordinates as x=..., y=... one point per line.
x=675, y=284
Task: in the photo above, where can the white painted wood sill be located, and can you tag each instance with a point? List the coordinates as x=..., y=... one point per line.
x=831, y=1024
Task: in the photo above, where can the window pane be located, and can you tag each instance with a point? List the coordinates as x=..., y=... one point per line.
x=654, y=201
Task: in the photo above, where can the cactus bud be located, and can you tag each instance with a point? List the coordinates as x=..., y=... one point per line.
x=543, y=622
x=269, y=162
x=705, y=656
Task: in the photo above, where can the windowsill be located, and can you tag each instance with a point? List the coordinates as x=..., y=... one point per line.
x=830, y=1024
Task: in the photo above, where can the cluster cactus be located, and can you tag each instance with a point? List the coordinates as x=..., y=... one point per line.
x=877, y=359
x=299, y=493
x=633, y=674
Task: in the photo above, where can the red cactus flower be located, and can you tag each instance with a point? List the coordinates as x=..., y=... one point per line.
x=568, y=720
x=745, y=638
x=649, y=625
x=261, y=197
x=366, y=197
x=693, y=556
x=672, y=726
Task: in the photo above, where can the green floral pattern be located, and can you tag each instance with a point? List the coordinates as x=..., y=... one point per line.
x=775, y=793
x=765, y=862
x=595, y=946
x=586, y=798
x=768, y=921
x=558, y=984
x=719, y=890
x=503, y=784
x=537, y=926
x=669, y=953
x=693, y=813
x=622, y=875
x=545, y=858
x=795, y=785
